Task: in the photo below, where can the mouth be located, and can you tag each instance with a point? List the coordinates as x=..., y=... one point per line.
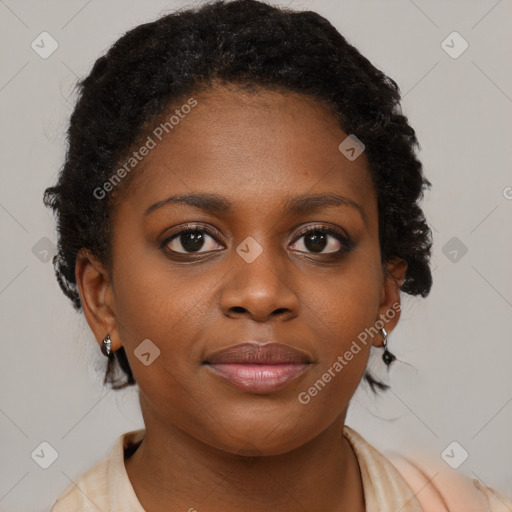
x=259, y=368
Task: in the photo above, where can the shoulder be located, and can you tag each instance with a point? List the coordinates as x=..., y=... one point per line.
x=442, y=489
x=100, y=487
x=428, y=486
x=87, y=492
x=496, y=501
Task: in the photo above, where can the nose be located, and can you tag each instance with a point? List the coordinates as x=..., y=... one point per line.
x=260, y=290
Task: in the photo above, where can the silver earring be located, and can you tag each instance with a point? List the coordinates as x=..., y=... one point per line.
x=105, y=346
x=387, y=356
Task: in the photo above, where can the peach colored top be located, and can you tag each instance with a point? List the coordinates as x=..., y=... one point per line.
x=106, y=485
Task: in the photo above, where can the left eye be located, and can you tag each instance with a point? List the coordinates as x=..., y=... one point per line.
x=318, y=239
x=192, y=240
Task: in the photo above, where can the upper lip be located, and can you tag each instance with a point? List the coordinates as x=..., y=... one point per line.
x=259, y=353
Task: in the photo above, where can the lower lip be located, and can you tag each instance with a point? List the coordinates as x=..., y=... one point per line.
x=259, y=378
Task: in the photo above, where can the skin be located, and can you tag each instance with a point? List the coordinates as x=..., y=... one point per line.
x=208, y=444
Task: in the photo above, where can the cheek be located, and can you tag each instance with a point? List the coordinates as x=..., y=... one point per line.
x=345, y=304
x=339, y=323
x=150, y=298
x=340, y=310
x=343, y=357
x=152, y=304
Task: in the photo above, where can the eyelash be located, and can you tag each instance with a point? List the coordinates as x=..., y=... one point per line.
x=343, y=239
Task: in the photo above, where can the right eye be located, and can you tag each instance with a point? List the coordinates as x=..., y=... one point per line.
x=190, y=241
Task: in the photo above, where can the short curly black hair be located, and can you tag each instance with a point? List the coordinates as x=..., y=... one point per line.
x=245, y=43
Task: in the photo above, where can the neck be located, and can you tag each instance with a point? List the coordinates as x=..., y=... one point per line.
x=172, y=470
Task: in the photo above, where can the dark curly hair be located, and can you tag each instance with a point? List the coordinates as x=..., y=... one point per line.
x=244, y=43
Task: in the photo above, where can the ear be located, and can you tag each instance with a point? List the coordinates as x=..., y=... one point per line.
x=97, y=297
x=390, y=307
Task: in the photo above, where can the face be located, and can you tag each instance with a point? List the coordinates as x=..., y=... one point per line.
x=285, y=250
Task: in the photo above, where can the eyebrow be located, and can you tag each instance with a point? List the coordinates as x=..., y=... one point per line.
x=297, y=205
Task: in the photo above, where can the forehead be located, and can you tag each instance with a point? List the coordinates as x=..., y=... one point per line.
x=250, y=146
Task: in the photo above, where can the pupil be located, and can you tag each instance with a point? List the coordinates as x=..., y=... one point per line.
x=192, y=240
x=316, y=242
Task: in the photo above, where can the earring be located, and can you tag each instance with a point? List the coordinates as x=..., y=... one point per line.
x=105, y=346
x=387, y=356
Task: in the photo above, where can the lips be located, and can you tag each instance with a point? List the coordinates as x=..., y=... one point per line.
x=259, y=353
x=259, y=368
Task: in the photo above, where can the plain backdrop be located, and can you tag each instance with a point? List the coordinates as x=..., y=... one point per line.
x=453, y=381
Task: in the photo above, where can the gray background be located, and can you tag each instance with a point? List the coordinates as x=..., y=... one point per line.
x=454, y=384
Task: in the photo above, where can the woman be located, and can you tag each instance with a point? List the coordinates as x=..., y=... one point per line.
x=238, y=214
